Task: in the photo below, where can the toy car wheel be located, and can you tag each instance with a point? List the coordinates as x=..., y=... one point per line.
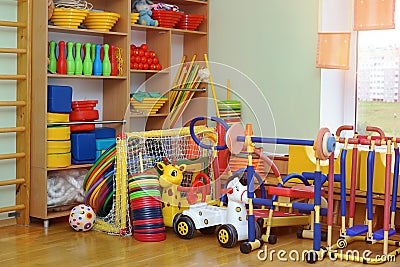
x=300, y=233
x=260, y=222
x=312, y=257
x=184, y=227
x=227, y=235
x=272, y=239
x=208, y=230
x=258, y=231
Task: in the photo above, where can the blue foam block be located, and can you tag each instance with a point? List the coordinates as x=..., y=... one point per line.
x=83, y=146
x=104, y=132
x=357, y=230
x=59, y=98
x=379, y=235
x=104, y=143
x=74, y=161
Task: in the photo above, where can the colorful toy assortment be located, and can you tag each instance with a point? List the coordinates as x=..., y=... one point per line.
x=98, y=60
x=169, y=199
x=164, y=15
x=143, y=59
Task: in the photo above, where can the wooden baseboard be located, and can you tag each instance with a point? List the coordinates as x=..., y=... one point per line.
x=8, y=222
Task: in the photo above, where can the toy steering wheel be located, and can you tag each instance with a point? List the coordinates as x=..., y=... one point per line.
x=197, y=141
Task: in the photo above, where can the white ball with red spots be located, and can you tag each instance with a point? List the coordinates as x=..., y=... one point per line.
x=82, y=218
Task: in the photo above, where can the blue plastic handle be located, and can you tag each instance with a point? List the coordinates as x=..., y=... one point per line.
x=197, y=141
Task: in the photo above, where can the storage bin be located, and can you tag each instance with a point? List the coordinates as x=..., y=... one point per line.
x=57, y=117
x=83, y=146
x=104, y=143
x=59, y=98
x=104, y=132
x=58, y=160
x=58, y=133
x=54, y=147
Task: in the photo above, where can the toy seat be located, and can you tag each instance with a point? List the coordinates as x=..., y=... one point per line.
x=357, y=230
x=297, y=191
x=378, y=235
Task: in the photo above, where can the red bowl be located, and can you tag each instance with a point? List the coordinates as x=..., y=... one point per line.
x=192, y=16
x=84, y=115
x=82, y=127
x=85, y=102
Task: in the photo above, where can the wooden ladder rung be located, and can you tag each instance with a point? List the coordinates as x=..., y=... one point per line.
x=12, y=24
x=13, y=50
x=12, y=77
x=12, y=130
x=11, y=182
x=12, y=155
x=11, y=208
x=12, y=103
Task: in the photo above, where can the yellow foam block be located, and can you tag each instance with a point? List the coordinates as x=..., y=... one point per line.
x=58, y=160
x=302, y=159
x=57, y=117
x=54, y=147
x=378, y=185
x=58, y=133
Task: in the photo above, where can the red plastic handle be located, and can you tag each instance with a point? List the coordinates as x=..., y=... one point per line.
x=344, y=128
x=377, y=130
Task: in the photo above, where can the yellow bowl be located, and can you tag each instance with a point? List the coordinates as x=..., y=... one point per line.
x=66, y=25
x=78, y=16
x=104, y=15
x=135, y=14
x=100, y=20
x=67, y=20
x=94, y=24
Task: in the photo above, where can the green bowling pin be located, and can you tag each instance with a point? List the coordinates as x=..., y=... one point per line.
x=106, y=61
x=78, y=59
x=70, y=59
x=52, y=57
x=93, y=52
x=87, y=62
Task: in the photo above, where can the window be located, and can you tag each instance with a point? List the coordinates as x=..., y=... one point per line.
x=378, y=85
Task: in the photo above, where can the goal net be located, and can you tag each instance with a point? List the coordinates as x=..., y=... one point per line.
x=139, y=152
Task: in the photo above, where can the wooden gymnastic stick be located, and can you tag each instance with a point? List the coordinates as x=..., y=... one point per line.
x=212, y=87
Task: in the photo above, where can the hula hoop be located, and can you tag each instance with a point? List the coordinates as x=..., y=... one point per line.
x=98, y=162
x=107, y=206
x=101, y=169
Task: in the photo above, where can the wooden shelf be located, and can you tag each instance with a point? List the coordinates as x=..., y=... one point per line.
x=173, y=30
x=50, y=75
x=150, y=71
x=113, y=90
x=75, y=166
x=52, y=28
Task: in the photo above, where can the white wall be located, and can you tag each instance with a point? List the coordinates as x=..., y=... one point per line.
x=275, y=45
x=8, y=12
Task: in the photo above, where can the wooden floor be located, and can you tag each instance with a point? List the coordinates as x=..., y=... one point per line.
x=60, y=245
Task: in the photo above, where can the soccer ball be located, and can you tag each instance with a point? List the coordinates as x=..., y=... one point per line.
x=82, y=218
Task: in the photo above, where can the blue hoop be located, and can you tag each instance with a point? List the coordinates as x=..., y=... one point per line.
x=197, y=141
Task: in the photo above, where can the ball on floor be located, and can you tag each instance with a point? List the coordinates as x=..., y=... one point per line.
x=82, y=218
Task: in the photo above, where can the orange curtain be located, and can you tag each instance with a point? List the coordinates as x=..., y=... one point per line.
x=333, y=50
x=374, y=14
